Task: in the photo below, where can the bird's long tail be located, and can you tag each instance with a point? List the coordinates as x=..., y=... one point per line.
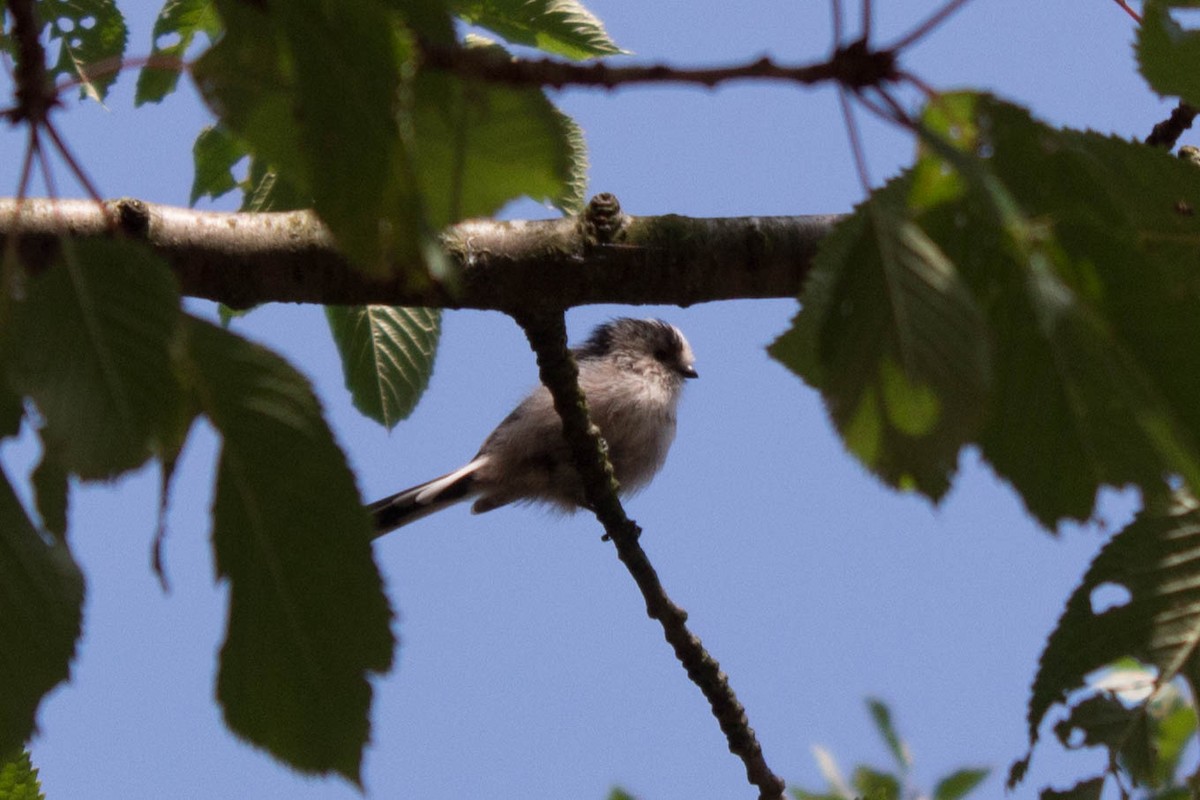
x=424, y=499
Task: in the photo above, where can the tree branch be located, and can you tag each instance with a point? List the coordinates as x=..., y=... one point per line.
x=245, y=259
x=548, y=337
x=1166, y=133
x=487, y=65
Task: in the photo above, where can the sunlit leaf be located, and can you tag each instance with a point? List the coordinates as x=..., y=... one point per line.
x=387, y=356
x=562, y=27
x=1175, y=726
x=18, y=778
x=41, y=607
x=308, y=620
x=175, y=28
x=92, y=345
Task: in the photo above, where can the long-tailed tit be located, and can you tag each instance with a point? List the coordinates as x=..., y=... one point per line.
x=632, y=372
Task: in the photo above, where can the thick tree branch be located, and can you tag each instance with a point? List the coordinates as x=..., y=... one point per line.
x=245, y=259
x=548, y=337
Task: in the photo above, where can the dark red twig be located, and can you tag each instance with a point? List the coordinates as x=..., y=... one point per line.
x=1125, y=7
x=925, y=28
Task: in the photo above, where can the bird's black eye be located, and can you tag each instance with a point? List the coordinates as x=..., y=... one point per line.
x=662, y=354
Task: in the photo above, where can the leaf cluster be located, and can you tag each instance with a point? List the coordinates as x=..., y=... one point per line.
x=869, y=783
x=1032, y=292
x=320, y=105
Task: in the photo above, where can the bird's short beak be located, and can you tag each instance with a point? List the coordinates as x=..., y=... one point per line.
x=689, y=372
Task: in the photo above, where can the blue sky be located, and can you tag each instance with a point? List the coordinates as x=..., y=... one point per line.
x=527, y=667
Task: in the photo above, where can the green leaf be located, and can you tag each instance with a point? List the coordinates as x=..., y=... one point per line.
x=1084, y=790
x=92, y=345
x=1105, y=721
x=562, y=27
x=959, y=784
x=573, y=197
x=1176, y=725
x=12, y=410
x=175, y=29
x=1168, y=54
x=265, y=190
x=620, y=794
x=480, y=145
x=1159, y=626
x=312, y=88
x=872, y=784
x=1090, y=305
x=50, y=492
x=431, y=19
x=892, y=337
x=19, y=779
x=91, y=35
x=882, y=716
x=387, y=356
x=215, y=153
x=308, y=619
x=41, y=610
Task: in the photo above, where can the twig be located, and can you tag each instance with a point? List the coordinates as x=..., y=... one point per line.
x=1125, y=7
x=1167, y=132
x=548, y=337
x=483, y=64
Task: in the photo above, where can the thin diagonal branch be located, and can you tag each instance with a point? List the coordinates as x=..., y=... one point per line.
x=548, y=337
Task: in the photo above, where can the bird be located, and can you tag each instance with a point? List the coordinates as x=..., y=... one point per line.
x=632, y=372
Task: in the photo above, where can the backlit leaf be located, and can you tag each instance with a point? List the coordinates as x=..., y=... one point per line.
x=1154, y=560
x=891, y=335
x=480, y=145
x=93, y=346
x=175, y=28
x=214, y=154
x=41, y=607
x=19, y=779
x=312, y=89
x=562, y=27
x=91, y=36
x=308, y=620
